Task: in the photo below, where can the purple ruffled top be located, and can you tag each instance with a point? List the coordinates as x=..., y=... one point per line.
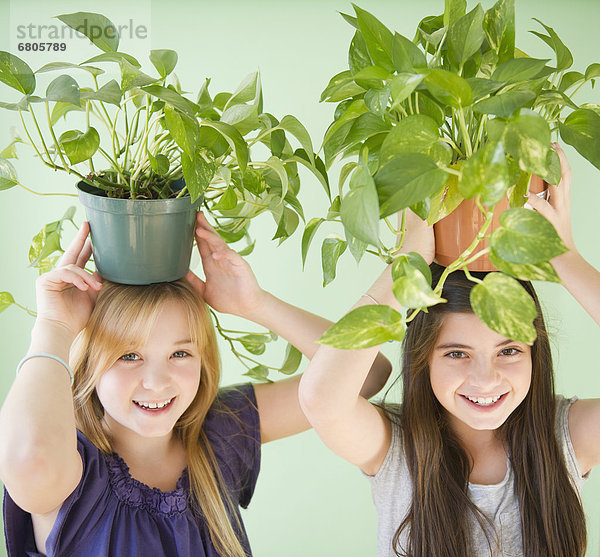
x=111, y=514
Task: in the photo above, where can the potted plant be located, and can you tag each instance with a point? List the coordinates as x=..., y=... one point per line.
x=458, y=113
x=145, y=156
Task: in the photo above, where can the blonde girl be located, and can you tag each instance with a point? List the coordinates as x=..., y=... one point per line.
x=139, y=452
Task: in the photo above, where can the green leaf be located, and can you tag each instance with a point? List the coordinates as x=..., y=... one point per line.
x=411, y=287
x=258, y=372
x=117, y=57
x=227, y=201
x=485, y=174
x=95, y=27
x=109, y=93
x=445, y=200
x=592, y=71
x=454, y=10
x=581, y=129
x=331, y=250
x=358, y=54
x=173, y=98
x=499, y=26
x=8, y=175
x=357, y=247
x=10, y=151
x=505, y=104
x=184, y=130
x=406, y=180
x=519, y=69
x=535, y=271
x=318, y=169
x=53, y=66
x=525, y=237
x=406, y=55
x=448, y=88
x=527, y=139
x=402, y=85
x=64, y=89
x=243, y=117
x=483, y=87
x=377, y=100
x=505, y=307
x=16, y=73
x=364, y=327
x=564, y=58
x=291, y=360
x=277, y=166
x=131, y=77
x=360, y=208
x=292, y=125
x=413, y=134
x=235, y=140
x=248, y=90
x=378, y=38
x=465, y=36
x=287, y=224
x=198, y=173
x=308, y=235
x=341, y=86
x=79, y=146
x=46, y=242
x=6, y=300
x=160, y=164
x=255, y=344
x=164, y=61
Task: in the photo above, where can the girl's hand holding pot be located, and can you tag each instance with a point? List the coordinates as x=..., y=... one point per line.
x=67, y=294
x=229, y=285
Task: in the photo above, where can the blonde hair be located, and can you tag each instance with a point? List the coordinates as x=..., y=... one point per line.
x=121, y=321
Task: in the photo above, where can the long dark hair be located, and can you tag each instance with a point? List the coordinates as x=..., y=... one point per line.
x=440, y=518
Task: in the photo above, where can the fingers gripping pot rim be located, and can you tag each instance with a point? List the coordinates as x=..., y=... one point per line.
x=140, y=241
x=456, y=232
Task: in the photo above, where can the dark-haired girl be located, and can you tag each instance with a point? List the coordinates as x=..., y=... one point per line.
x=481, y=458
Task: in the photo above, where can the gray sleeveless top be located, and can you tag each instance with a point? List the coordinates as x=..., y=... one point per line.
x=391, y=489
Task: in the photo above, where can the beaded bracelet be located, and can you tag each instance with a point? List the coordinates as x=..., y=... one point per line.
x=46, y=355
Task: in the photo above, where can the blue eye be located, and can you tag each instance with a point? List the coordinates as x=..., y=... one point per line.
x=131, y=357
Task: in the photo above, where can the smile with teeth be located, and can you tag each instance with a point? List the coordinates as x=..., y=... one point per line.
x=483, y=401
x=153, y=405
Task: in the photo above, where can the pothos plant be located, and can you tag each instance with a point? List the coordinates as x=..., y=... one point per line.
x=137, y=137
x=456, y=113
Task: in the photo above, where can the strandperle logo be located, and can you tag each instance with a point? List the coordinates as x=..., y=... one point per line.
x=83, y=31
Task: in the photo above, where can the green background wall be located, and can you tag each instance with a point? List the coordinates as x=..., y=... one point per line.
x=307, y=501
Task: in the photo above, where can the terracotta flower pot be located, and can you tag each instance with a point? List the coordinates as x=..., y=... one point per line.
x=456, y=232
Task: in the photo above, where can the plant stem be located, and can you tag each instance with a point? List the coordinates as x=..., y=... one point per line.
x=37, y=126
x=33, y=144
x=27, y=310
x=56, y=145
x=465, y=134
x=40, y=193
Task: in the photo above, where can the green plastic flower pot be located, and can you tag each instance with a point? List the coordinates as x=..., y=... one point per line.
x=139, y=241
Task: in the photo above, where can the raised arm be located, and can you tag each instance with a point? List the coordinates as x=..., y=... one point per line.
x=582, y=280
x=39, y=462
x=231, y=287
x=330, y=389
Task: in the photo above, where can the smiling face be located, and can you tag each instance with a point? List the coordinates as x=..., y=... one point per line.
x=477, y=375
x=148, y=388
